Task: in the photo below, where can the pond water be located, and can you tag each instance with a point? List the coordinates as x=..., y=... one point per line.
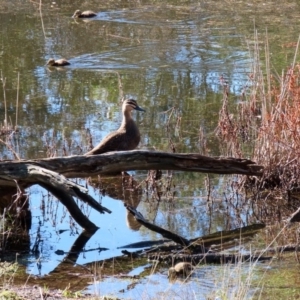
x=171, y=57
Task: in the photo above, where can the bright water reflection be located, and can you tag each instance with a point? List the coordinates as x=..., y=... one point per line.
x=207, y=282
x=58, y=232
x=113, y=233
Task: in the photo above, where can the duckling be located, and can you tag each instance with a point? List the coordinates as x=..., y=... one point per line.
x=57, y=63
x=183, y=268
x=84, y=14
x=127, y=137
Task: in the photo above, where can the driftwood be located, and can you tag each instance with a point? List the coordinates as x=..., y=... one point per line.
x=199, y=249
x=165, y=233
x=85, y=166
x=117, y=266
x=206, y=241
x=209, y=258
x=51, y=173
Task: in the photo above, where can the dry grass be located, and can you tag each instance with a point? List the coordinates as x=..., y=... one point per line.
x=268, y=116
x=278, y=142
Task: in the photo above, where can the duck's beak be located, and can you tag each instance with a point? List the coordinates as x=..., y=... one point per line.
x=139, y=108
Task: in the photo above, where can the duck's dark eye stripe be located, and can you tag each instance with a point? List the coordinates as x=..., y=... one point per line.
x=132, y=103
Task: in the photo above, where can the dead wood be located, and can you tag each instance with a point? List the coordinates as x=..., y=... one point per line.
x=281, y=249
x=165, y=233
x=200, y=243
x=51, y=173
x=196, y=250
x=71, y=205
x=208, y=258
x=225, y=237
x=144, y=244
x=295, y=217
x=64, y=190
x=85, y=166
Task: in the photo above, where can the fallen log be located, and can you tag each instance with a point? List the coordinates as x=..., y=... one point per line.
x=111, y=162
x=52, y=173
x=208, y=258
x=199, y=243
x=165, y=233
x=197, y=250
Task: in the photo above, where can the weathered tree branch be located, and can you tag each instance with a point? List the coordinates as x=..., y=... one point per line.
x=199, y=248
x=64, y=190
x=85, y=166
x=51, y=173
x=209, y=258
x=165, y=233
x=220, y=237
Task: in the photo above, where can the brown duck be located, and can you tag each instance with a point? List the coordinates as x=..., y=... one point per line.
x=183, y=269
x=57, y=63
x=127, y=137
x=84, y=14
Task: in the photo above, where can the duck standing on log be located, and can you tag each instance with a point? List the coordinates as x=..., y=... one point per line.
x=127, y=137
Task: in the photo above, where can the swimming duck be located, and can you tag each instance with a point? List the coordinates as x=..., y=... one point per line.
x=127, y=137
x=183, y=268
x=84, y=14
x=57, y=63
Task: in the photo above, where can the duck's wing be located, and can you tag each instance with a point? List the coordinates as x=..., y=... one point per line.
x=113, y=142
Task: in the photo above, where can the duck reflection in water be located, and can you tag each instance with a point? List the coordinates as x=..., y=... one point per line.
x=121, y=187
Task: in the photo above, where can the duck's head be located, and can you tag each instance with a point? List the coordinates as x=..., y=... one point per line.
x=130, y=104
x=172, y=274
x=77, y=13
x=51, y=62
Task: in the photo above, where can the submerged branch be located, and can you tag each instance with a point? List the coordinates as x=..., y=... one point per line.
x=64, y=190
x=196, y=250
x=209, y=258
x=165, y=233
x=200, y=243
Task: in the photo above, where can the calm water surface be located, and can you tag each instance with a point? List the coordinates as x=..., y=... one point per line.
x=170, y=57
